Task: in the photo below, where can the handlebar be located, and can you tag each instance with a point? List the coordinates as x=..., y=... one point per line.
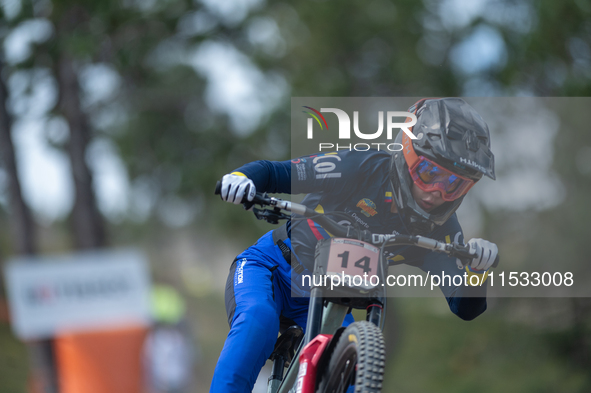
x=273, y=216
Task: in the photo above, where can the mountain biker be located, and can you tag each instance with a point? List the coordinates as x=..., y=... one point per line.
x=415, y=191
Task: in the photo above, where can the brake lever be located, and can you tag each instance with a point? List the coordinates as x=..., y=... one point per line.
x=248, y=205
x=271, y=216
x=465, y=256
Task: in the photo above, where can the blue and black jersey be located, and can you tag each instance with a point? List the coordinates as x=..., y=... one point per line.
x=357, y=183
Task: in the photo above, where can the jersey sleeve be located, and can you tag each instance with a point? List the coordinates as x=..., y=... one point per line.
x=465, y=300
x=334, y=172
x=268, y=176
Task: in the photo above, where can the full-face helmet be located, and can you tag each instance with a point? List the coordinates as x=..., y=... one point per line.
x=450, y=154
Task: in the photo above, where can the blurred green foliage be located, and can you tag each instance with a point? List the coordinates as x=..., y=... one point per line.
x=13, y=362
x=175, y=144
x=444, y=354
x=172, y=140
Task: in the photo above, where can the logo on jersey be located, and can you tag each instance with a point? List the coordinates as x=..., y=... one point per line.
x=360, y=221
x=239, y=275
x=368, y=208
x=325, y=165
x=388, y=197
x=301, y=169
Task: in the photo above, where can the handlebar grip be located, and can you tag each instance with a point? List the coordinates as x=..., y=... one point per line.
x=496, y=262
x=218, y=191
x=463, y=253
x=245, y=203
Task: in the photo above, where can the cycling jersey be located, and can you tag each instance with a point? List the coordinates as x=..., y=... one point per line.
x=358, y=184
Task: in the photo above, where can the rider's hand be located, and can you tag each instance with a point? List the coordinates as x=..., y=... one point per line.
x=235, y=186
x=486, y=251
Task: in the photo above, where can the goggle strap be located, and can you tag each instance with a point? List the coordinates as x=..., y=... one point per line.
x=408, y=150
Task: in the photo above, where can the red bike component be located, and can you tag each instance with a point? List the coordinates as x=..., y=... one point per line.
x=309, y=359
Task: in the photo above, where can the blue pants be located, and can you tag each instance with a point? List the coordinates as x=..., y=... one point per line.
x=256, y=295
x=258, y=292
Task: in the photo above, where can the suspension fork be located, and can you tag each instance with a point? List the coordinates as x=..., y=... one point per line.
x=375, y=311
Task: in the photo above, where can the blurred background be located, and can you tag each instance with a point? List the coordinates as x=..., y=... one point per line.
x=117, y=117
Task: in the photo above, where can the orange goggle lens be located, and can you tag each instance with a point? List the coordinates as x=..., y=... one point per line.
x=429, y=176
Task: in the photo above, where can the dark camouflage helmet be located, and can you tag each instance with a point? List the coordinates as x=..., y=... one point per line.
x=452, y=134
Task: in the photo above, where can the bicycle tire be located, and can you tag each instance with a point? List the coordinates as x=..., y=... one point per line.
x=358, y=358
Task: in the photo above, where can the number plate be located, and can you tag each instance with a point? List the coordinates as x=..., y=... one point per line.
x=355, y=259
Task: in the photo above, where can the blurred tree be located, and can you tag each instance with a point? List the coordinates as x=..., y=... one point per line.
x=21, y=221
x=175, y=142
x=22, y=230
x=552, y=57
x=87, y=223
x=361, y=49
x=562, y=235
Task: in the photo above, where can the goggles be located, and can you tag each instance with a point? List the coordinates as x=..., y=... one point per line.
x=429, y=176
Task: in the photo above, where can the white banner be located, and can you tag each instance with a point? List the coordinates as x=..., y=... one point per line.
x=80, y=291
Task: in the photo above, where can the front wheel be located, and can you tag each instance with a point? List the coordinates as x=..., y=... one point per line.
x=357, y=360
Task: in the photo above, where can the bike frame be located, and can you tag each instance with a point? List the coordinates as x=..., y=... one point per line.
x=331, y=315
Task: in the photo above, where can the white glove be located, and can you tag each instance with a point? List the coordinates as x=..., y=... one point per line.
x=486, y=251
x=234, y=187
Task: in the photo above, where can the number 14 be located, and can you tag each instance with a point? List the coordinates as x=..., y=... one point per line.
x=362, y=263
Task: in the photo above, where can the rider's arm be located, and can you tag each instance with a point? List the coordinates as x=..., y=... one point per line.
x=268, y=176
x=330, y=172
x=466, y=301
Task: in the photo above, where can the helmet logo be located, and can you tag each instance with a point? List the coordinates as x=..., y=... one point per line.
x=473, y=164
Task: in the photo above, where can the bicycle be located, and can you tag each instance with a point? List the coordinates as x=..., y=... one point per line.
x=332, y=358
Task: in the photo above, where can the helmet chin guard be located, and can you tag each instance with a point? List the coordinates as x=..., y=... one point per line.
x=452, y=134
